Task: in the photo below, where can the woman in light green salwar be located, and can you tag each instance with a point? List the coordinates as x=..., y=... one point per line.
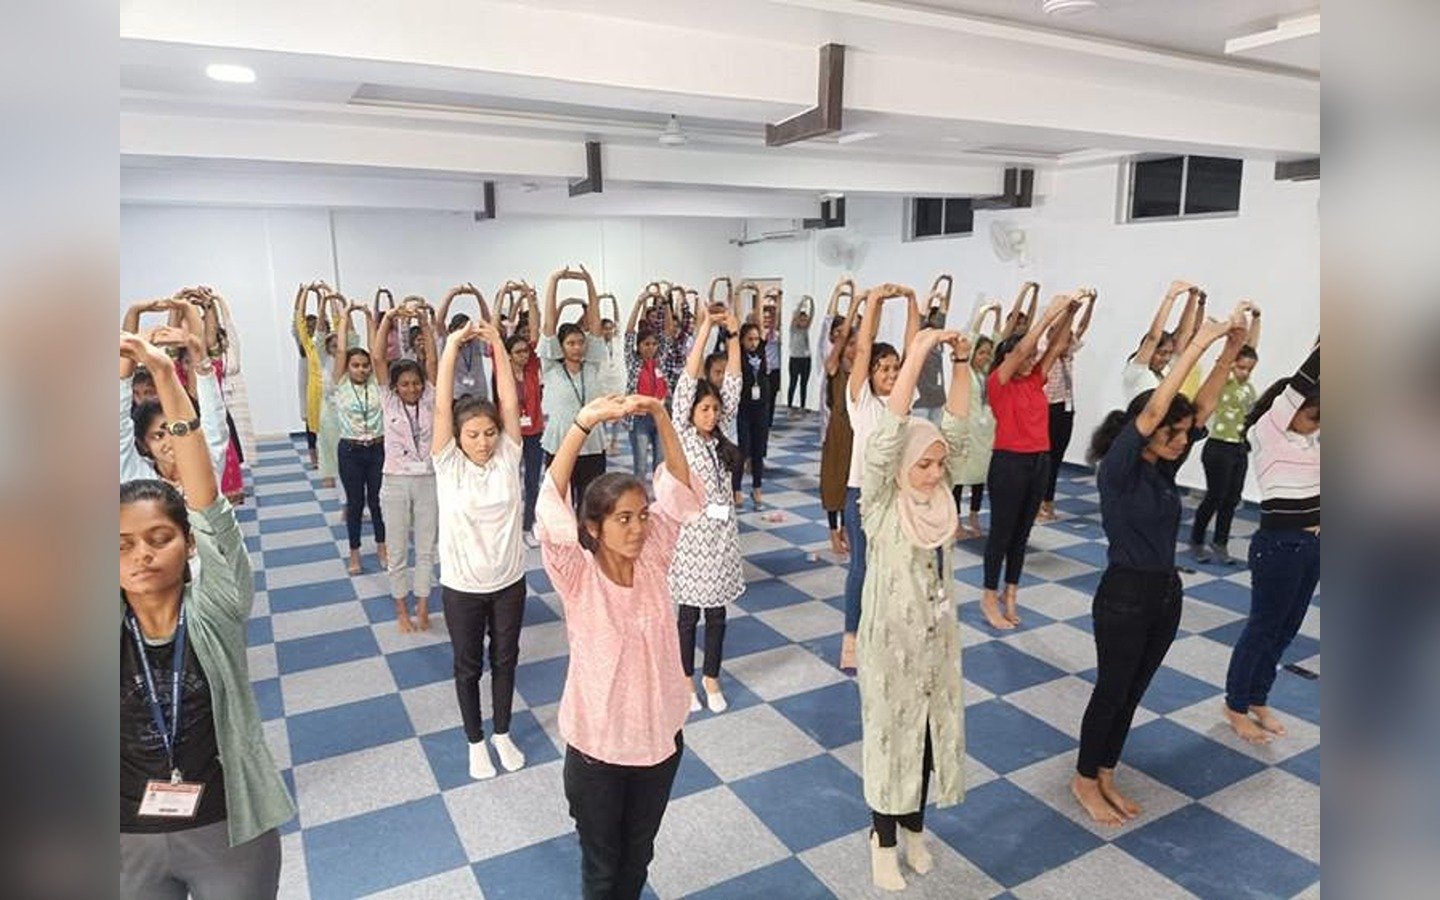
x=908, y=647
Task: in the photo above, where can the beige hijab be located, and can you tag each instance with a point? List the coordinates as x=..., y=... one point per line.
x=928, y=520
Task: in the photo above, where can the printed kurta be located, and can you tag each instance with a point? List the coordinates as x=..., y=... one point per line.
x=908, y=644
x=706, y=571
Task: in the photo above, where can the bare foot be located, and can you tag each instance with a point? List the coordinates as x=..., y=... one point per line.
x=382, y=555
x=1127, y=807
x=1012, y=603
x=1046, y=514
x=990, y=606
x=1246, y=727
x=422, y=614
x=1268, y=721
x=837, y=543
x=847, y=653
x=975, y=528
x=354, y=567
x=327, y=482
x=739, y=500
x=402, y=616
x=1087, y=792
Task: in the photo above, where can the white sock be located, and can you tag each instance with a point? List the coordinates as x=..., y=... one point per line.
x=694, y=702
x=480, y=764
x=510, y=756
x=716, y=701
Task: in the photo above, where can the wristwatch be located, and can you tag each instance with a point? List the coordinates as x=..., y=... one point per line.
x=180, y=429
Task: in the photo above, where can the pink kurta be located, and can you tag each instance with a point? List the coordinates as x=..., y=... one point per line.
x=625, y=694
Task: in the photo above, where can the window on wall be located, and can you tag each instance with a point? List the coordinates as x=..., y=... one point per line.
x=1175, y=187
x=936, y=217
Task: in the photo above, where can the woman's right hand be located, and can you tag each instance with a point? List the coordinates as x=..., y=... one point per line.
x=608, y=408
x=142, y=352
x=1211, y=330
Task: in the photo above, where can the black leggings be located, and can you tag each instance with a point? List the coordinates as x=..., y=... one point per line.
x=1136, y=616
x=360, y=467
x=799, y=377
x=1062, y=426
x=836, y=517
x=752, y=427
x=588, y=467
x=1017, y=482
x=773, y=379
x=884, y=824
x=977, y=494
x=311, y=440
x=469, y=618
x=1225, y=465
x=689, y=617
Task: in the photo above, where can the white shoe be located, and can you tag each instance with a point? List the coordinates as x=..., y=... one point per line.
x=511, y=758
x=917, y=854
x=480, y=765
x=531, y=541
x=716, y=701
x=694, y=702
x=885, y=866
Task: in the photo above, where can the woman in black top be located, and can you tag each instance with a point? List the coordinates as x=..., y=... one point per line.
x=1137, y=606
x=752, y=419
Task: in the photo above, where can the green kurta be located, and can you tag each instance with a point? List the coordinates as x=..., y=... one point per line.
x=908, y=645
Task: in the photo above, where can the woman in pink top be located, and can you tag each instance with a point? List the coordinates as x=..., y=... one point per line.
x=626, y=696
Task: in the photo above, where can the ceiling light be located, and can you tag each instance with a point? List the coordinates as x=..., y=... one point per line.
x=231, y=73
x=1068, y=7
x=673, y=136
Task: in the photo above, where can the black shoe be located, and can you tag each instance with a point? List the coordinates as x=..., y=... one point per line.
x=1200, y=552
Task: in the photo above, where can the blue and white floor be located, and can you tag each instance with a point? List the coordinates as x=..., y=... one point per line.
x=768, y=803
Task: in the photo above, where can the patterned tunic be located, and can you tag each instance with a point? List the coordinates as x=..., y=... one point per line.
x=1228, y=423
x=976, y=467
x=706, y=570
x=908, y=644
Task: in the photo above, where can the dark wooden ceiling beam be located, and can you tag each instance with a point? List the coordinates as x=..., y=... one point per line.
x=825, y=116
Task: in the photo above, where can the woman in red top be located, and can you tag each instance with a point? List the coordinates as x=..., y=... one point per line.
x=526, y=366
x=1020, y=465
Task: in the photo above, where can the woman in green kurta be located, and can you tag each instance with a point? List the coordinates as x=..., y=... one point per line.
x=909, y=639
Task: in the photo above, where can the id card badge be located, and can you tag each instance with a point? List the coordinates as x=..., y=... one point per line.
x=755, y=392
x=524, y=421
x=467, y=381
x=171, y=799
x=720, y=512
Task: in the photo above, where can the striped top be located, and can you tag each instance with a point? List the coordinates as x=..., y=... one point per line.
x=1287, y=464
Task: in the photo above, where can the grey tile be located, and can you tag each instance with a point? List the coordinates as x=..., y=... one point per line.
x=1278, y=805
x=392, y=640
x=260, y=606
x=748, y=741
x=753, y=542
x=294, y=879
x=432, y=707
x=1197, y=616
x=334, y=685
x=1207, y=718
x=1311, y=626
x=544, y=641
x=304, y=537
x=484, y=812
x=822, y=582
x=305, y=573
x=782, y=671
x=804, y=621
x=1055, y=567
x=843, y=865
x=1063, y=646
x=1107, y=872
x=1055, y=601
x=1050, y=537
x=326, y=619
x=261, y=662
x=709, y=837
x=277, y=738
x=457, y=883
x=548, y=716
x=363, y=781
x=287, y=510
x=1201, y=657
x=1049, y=782
x=1061, y=704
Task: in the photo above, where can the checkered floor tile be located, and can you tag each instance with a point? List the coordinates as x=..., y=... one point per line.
x=768, y=799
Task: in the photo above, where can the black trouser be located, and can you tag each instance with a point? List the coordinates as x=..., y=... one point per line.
x=884, y=825
x=469, y=617
x=772, y=378
x=799, y=377
x=1225, y=465
x=689, y=617
x=977, y=493
x=1136, y=616
x=360, y=466
x=1062, y=426
x=532, y=458
x=617, y=812
x=752, y=427
x=836, y=517
x=588, y=467
x=1017, y=481
x=311, y=440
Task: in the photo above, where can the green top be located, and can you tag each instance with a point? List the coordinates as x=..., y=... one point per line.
x=1228, y=423
x=217, y=605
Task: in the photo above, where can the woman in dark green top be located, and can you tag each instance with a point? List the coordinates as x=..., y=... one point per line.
x=200, y=797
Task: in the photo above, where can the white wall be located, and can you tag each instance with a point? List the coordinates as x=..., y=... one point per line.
x=1269, y=252
x=256, y=257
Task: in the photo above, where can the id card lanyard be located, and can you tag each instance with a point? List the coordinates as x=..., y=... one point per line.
x=169, y=728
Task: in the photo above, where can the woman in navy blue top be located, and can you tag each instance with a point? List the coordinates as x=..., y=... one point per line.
x=1137, y=606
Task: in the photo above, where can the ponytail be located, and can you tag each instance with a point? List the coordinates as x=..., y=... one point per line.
x=1105, y=435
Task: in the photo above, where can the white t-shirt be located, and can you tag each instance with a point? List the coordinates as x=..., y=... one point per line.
x=865, y=414
x=480, y=508
x=1137, y=379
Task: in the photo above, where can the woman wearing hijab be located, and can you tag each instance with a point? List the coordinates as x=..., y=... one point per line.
x=909, y=637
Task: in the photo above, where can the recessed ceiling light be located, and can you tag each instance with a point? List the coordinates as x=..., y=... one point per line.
x=231, y=73
x=1068, y=7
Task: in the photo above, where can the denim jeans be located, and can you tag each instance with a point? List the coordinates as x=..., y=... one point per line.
x=1284, y=569
x=855, y=577
x=644, y=446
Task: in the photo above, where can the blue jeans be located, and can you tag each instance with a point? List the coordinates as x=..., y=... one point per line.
x=1284, y=570
x=644, y=446
x=532, y=457
x=855, y=578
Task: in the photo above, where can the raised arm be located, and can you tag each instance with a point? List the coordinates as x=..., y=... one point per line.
x=1157, y=324
x=912, y=315
x=695, y=362
x=342, y=343
x=450, y=296
x=1058, y=335
x=595, y=413
x=192, y=457
x=943, y=295
x=552, y=316
x=1190, y=317
x=1087, y=296
x=674, y=451
x=1154, y=412
x=1029, y=289
x=957, y=401
x=380, y=347
x=635, y=311
x=590, y=321
x=444, y=428
x=1253, y=338
x=506, y=397
x=1011, y=364
x=1208, y=397
x=865, y=340
x=837, y=348
x=427, y=336
x=902, y=395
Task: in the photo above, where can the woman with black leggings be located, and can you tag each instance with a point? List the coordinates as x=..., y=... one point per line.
x=752, y=420
x=1060, y=391
x=1137, y=605
x=1020, y=465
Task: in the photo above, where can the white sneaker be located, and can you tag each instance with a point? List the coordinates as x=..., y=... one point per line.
x=480, y=765
x=531, y=541
x=716, y=701
x=511, y=758
x=694, y=702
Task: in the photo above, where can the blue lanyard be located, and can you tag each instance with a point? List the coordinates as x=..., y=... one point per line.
x=169, y=730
